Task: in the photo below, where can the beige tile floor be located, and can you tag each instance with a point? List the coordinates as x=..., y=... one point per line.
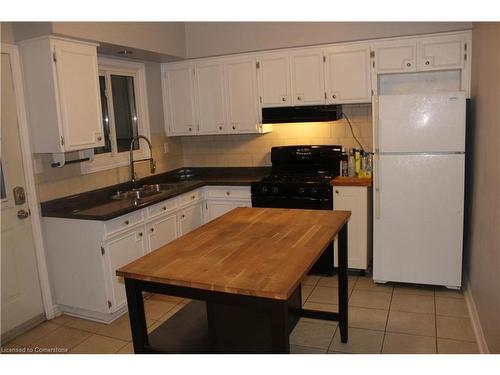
x=382, y=319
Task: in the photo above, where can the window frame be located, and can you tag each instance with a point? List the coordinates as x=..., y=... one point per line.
x=110, y=160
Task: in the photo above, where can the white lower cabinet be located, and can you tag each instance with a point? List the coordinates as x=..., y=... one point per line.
x=161, y=231
x=356, y=199
x=190, y=218
x=214, y=209
x=118, y=252
x=222, y=199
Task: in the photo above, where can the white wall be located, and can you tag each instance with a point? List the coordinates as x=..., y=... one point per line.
x=483, y=183
x=6, y=33
x=217, y=38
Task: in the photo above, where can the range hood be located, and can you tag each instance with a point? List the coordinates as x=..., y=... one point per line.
x=312, y=113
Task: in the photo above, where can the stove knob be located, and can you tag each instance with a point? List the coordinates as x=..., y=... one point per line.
x=275, y=190
x=264, y=189
x=314, y=191
x=301, y=190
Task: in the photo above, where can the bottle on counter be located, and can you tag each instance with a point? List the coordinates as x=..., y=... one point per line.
x=351, y=165
x=344, y=164
x=357, y=160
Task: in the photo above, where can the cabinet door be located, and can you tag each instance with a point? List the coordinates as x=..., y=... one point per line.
x=180, y=111
x=120, y=251
x=273, y=76
x=308, y=77
x=190, y=218
x=162, y=231
x=348, y=74
x=211, y=98
x=354, y=199
x=395, y=57
x=214, y=209
x=242, y=97
x=441, y=53
x=78, y=95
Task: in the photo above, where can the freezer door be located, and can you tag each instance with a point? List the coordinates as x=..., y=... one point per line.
x=421, y=123
x=418, y=219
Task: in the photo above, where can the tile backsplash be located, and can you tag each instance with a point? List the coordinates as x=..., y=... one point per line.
x=240, y=150
x=254, y=150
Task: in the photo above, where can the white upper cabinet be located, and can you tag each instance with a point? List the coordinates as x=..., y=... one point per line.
x=63, y=96
x=308, y=77
x=179, y=100
x=211, y=99
x=441, y=53
x=396, y=57
x=347, y=74
x=273, y=75
x=242, y=96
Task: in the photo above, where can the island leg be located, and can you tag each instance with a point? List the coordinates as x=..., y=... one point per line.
x=343, y=288
x=137, y=316
x=279, y=326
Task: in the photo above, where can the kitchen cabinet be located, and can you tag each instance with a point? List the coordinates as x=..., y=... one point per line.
x=356, y=199
x=62, y=94
x=211, y=100
x=442, y=53
x=308, y=76
x=242, y=96
x=222, y=199
x=118, y=252
x=273, y=77
x=347, y=74
x=161, y=232
x=190, y=218
x=395, y=57
x=179, y=100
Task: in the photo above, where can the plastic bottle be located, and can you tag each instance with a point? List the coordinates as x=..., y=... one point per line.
x=343, y=164
x=351, y=165
x=357, y=160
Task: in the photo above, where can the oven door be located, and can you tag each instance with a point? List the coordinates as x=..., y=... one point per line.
x=274, y=201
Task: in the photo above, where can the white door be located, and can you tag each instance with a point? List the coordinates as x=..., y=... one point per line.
x=441, y=53
x=162, y=231
x=120, y=251
x=78, y=95
x=242, y=96
x=20, y=288
x=348, y=74
x=273, y=75
x=211, y=97
x=214, y=209
x=396, y=57
x=190, y=218
x=308, y=77
x=418, y=224
x=180, y=106
x=421, y=123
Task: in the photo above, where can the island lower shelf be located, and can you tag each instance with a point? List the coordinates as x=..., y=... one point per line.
x=205, y=327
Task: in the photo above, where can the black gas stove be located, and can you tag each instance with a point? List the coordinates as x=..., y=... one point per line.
x=301, y=178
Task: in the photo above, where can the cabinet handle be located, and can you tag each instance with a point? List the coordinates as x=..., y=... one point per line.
x=99, y=138
x=140, y=234
x=234, y=127
x=408, y=64
x=192, y=197
x=127, y=222
x=334, y=96
x=220, y=127
x=283, y=99
x=164, y=208
x=299, y=97
x=190, y=129
x=228, y=193
x=182, y=216
x=336, y=191
x=427, y=62
x=152, y=230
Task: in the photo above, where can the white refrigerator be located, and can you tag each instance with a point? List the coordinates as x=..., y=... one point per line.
x=419, y=163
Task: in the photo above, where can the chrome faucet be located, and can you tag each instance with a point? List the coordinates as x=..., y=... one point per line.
x=152, y=163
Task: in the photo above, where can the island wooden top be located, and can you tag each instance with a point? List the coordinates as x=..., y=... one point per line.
x=263, y=252
x=351, y=181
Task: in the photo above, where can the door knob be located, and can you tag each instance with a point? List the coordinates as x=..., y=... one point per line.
x=23, y=214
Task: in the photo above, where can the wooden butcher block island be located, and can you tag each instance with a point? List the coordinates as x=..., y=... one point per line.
x=243, y=270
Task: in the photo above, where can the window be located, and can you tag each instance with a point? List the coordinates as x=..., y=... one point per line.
x=124, y=113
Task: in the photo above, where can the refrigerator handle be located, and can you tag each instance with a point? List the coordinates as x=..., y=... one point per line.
x=375, y=104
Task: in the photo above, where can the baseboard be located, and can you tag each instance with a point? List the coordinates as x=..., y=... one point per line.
x=23, y=328
x=476, y=323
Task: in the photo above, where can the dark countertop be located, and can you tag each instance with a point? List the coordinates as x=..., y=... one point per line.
x=97, y=204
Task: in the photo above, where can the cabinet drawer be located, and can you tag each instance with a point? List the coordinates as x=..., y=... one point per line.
x=124, y=222
x=228, y=192
x=188, y=198
x=162, y=208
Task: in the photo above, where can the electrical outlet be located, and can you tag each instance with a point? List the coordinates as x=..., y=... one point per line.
x=165, y=148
